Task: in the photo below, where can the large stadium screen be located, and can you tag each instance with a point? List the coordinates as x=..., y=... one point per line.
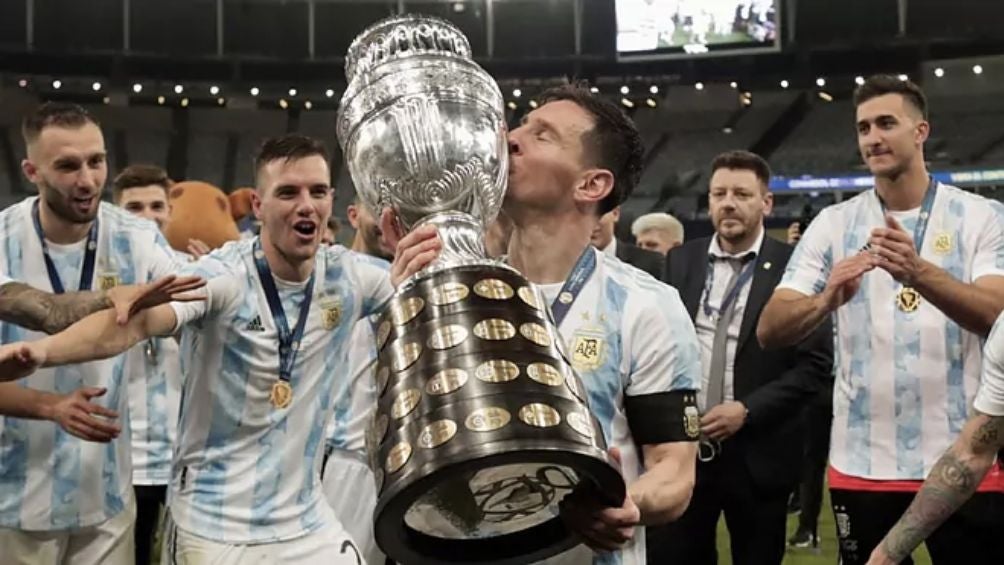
x=656, y=29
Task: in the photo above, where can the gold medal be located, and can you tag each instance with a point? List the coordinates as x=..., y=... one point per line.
x=908, y=299
x=282, y=394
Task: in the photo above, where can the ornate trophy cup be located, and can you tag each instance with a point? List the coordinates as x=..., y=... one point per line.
x=481, y=425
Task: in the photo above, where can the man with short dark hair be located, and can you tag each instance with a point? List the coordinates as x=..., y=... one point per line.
x=750, y=400
x=153, y=370
x=63, y=499
x=914, y=273
x=263, y=353
x=573, y=159
x=368, y=238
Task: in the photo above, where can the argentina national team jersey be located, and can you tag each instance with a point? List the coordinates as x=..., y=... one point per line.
x=50, y=480
x=905, y=380
x=627, y=334
x=990, y=398
x=245, y=471
x=355, y=388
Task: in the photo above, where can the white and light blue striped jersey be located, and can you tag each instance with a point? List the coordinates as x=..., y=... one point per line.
x=639, y=339
x=245, y=471
x=154, y=372
x=355, y=393
x=905, y=380
x=4, y=279
x=990, y=397
x=50, y=480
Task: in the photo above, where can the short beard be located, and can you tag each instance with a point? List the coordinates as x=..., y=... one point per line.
x=56, y=202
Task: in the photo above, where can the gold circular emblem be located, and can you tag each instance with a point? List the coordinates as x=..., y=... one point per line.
x=382, y=378
x=908, y=299
x=580, y=423
x=544, y=374
x=448, y=336
x=446, y=381
x=448, y=293
x=536, y=333
x=383, y=334
x=437, y=433
x=281, y=395
x=404, y=311
x=495, y=329
x=404, y=356
x=566, y=297
x=405, y=403
x=487, y=419
x=529, y=296
x=539, y=415
x=380, y=427
x=493, y=289
x=497, y=371
x=397, y=457
x=943, y=243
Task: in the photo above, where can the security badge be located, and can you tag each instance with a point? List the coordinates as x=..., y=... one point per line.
x=587, y=349
x=331, y=312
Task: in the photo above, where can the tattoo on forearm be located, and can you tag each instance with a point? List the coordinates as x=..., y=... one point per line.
x=951, y=483
x=953, y=480
x=42, y=311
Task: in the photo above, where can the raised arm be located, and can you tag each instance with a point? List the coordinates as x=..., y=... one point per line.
x=38, y=310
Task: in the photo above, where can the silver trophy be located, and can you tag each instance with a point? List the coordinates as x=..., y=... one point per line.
x=481, y=425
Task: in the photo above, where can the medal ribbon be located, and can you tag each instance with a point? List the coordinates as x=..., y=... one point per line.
x=583, y=269
x=731, y=294
x=925, y=214
x=90, y=252
x=289, y=342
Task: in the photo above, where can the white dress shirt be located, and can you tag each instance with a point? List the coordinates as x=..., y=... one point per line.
x=705, y=324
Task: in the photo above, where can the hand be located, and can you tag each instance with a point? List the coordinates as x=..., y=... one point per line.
x=794, y=233
x=879, y=557
x=845, y=279
x=413, y=252
x=197, y=248
x=18, y=360
x=895, y=251
x=601, y=527
x=75, y=412
x=723, y=420
x=130, y=299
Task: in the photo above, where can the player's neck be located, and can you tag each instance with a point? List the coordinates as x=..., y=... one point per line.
x=545, y=249
x=283, y=266
x=59, y=230
x=906, y=191
x=358, y=245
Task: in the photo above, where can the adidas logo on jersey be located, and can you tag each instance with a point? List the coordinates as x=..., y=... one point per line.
x=255, y=325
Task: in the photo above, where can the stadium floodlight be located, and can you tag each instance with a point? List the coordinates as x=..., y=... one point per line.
x=820, y=82
x=977, y=69
x=625, y=90
x=254, y=91
x=214, y=90
x=699, y=86
x=137, y=88
x=939, y=72
x=859, y=80
x=178, y=89
x=784, y=84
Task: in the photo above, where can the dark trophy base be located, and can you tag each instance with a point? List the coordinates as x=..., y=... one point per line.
x=481, y=426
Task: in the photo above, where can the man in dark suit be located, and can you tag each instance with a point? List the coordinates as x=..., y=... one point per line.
x=604, y=240
x=751, y=400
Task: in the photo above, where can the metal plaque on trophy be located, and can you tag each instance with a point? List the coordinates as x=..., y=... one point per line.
x=481, y=425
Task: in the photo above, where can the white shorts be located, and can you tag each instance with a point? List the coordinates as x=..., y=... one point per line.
x=350, y=490
x=329, y=546
x=108, y=543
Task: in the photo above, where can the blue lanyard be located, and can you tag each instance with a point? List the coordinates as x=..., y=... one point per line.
x=289, y=343
x=925, y=213
x=583, y=269
x=86, y=272
x=731, y=294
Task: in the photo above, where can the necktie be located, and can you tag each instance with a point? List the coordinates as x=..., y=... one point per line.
x=719, y=347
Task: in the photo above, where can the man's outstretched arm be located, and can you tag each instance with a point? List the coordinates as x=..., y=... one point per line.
x=37, y=310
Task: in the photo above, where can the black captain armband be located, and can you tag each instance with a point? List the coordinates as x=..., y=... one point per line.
x=663, y=417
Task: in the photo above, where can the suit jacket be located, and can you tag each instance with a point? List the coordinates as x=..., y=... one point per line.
x=773, y=385
x=648, y=261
